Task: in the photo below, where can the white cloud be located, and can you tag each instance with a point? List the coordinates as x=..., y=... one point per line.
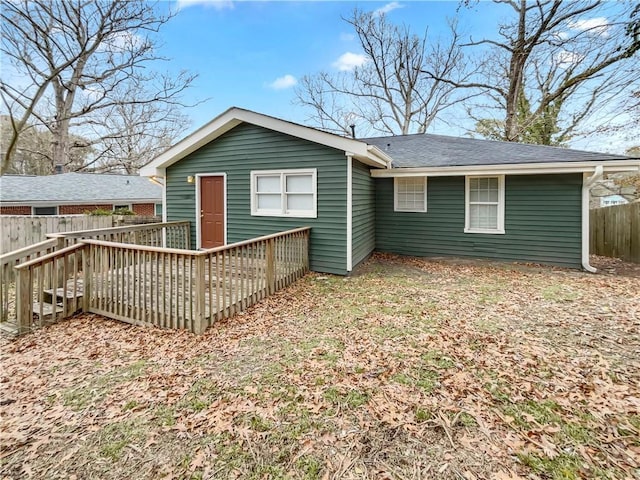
x=347, y=37
x=387, y=8
x=216, y=4
x=598, y=25
x=122, y=41
x=348, y=61
x=282, y=83
x=566, y=59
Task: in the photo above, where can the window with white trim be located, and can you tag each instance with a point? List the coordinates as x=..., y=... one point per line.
x=484, y=204
x=284, y=193
x=410, y=194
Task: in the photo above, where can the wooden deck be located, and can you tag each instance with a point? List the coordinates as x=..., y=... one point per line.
x=146, y=285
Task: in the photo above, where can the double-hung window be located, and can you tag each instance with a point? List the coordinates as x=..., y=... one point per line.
x=410, y=194
x=284, y=193
x=484, y=204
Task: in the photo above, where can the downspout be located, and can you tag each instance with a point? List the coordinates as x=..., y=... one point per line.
x=587, y=183
x=349, y=211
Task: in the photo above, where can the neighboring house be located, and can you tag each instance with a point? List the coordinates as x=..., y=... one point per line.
x=616, y=189
x=610, y=200
x=77, y=193
x=245, y=174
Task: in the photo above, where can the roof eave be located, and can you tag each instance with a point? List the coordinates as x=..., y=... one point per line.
x=609, y=166
x=235, y=116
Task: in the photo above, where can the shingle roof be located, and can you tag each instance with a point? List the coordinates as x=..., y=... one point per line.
x=427, y=150
x=78, y=187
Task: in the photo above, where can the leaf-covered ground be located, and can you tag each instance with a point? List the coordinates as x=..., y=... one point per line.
x=410, y=369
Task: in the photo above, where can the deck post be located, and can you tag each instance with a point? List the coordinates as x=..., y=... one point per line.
x=271, y=270
x=24, y=300
x=199, y=325
x=187, y=236
x=87, y=275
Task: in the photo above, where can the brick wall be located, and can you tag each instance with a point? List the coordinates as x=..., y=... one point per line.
x=147, y=209
x=80, y=209
x=21, y=210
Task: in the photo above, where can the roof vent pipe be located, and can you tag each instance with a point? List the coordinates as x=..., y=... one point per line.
x=353, y=130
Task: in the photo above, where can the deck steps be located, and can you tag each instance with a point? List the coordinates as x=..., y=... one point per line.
x=47, y=309
x=60, y=293
x=8, y=329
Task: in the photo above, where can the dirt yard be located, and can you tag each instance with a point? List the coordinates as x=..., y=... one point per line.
x=409, y=369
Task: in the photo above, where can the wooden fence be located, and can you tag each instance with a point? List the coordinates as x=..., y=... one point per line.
x=168, y=234
x=19, y=231
x=165, y=287
x=615, y=231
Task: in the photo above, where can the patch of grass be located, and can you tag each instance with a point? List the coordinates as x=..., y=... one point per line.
x=467, y=420
x=257, y=423
x=351, y=399
x=113, y=438
x=490, y=293
x=202, y=393
x=130, y=405
x=230, y=454
x=423, y=378
x=559, y=293
x=563, y=467
x=423, y=415
x=438, y=360
x=100, y=385
x=528, y=413
x=164, y=416
x=310, y=467
x=498, y=391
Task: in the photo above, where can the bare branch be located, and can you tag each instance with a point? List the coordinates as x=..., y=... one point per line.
x=391, y=92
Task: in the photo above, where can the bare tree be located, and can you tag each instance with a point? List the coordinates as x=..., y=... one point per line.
x=129, y=135
x=70, y=58
x=390, y=91
x=32, y=152
x=552, y=66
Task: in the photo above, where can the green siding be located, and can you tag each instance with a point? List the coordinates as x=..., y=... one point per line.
x=364, y=212
x=249, y=147
x=542, y=221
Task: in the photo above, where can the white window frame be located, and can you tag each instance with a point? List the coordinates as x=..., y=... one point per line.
x=500, y=227
x=121, y=205
x=396, y=207
x=283, y=212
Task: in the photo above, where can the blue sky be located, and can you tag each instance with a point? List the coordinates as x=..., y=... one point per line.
x=250, y=54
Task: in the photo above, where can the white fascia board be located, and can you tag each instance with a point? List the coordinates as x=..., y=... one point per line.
x=513, y=169
x=235, y=116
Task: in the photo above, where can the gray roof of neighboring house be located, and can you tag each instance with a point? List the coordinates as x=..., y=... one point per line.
x=88, y=188
x=427, y=150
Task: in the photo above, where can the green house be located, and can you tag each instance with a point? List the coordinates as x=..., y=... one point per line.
x=245, y=174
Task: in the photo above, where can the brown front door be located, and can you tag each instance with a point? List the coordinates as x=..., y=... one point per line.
x=212, y=211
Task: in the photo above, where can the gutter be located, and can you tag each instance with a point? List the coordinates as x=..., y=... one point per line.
x=587, y=183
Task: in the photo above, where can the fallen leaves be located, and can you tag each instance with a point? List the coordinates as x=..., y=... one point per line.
x=412, y=369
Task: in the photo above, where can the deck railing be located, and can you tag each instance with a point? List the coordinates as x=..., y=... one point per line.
x=49, y=288
x=7, y=274
x=165, y=287
x=172, y=234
